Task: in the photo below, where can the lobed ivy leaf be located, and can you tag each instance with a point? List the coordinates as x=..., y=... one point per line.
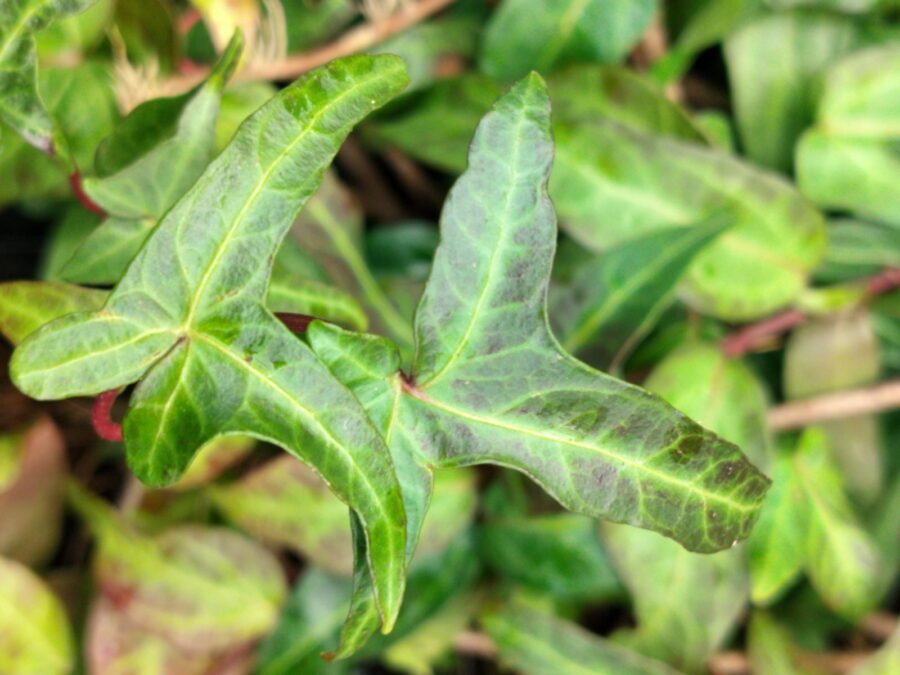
x=143, y=168
x=849, y=159
x=21, y=106
x=490, y=384
x=522, y=35
x=187, y=320
x=35, y=636
x=535, y=642
x=616, y=298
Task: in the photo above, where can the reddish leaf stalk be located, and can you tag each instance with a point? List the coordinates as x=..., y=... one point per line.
x=81, y=195
x=749, y=337
x=101, y=417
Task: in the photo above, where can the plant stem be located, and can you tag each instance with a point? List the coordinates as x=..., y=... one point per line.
x=356, y=40
x=752, y=336
x=878, y=398
x=81, y=195
x=103, y=423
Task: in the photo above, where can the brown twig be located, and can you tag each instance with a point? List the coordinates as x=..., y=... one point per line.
x=356, y=40
x=797, y=414
x=373, y=190
x=755, y=335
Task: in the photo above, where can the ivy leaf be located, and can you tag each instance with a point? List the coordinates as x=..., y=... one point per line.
x=612, y=183
x=20, y=102
x=187, y=319
x=284, y=503
x=842, y=560
x=202, y=588
x=490, y=383
x=558, y=554
x=35, y=629
x=32, y=473
x=535, y=642
x=526, y=34
x=849, y=159
x=615, y=299
x=776, y=546
x=151, y=160
x=25, y=306
x=774, y=105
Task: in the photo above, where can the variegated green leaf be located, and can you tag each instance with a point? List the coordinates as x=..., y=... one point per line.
x=21, y=106
x=187, y=319
x=25, y=306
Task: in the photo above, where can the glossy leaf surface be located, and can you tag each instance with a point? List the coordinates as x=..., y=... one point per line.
x=188, y=319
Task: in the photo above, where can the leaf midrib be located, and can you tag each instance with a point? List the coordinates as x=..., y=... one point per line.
x=261, y=183
x=554, y=438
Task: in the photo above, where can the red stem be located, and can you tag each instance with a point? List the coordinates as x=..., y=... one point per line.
x=86, y=202
x=747, y=338
x=103, y=423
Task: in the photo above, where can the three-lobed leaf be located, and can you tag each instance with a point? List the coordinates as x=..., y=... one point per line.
x=187, y=319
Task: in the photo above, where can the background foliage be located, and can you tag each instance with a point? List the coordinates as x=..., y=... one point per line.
x=724, y=174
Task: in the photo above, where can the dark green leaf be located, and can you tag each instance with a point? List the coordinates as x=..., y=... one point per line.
x=188, y=319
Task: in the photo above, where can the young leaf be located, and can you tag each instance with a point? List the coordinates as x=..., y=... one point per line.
x=25, y=306
x=523, y=35
x=20, y=102
x=534, y=642
x=615, y=299
x=774, y=105
x=35, y=636
x=849, y=160
x=154, y=156
x=202, y=588
x=188, y=321
x=769, y=646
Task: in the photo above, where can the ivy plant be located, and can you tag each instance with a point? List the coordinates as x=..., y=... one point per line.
x=489, y=382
